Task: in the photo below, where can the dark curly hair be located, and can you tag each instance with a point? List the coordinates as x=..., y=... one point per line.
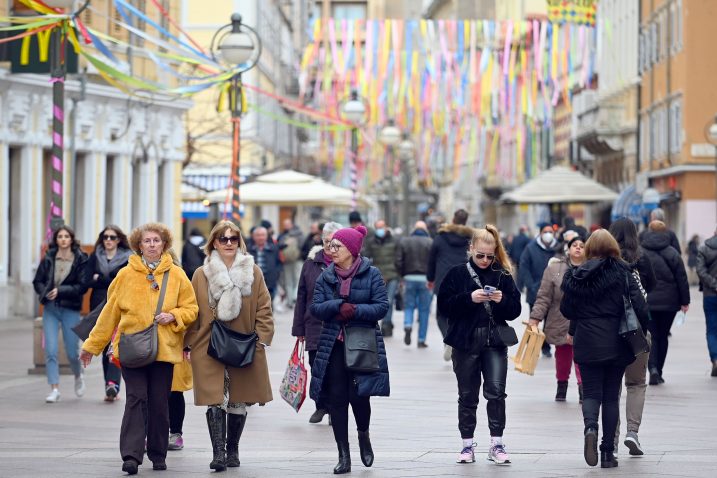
x=123, y=241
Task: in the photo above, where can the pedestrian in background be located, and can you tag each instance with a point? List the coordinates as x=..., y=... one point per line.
x=477, y=297
x=533, y=262
x=266, y=256
x=111, y=254
x=670, y=295
x=707, y=271
x=230, y=288
x=381, y=249
x=131, y=305
x=349, y=293
x=692, y=251
x=290, y=241
x=181, y=382
x=593, y=301
x=193, y=252
x=412, y=256
x=658, y=214
x=447, y=250
x=306, y=326
x=313, y=239
x=625, y=233
x=547, y=304
x=520, y=242
x=62, y=278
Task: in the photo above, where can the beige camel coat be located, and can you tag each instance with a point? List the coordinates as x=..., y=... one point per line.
x=250, y=384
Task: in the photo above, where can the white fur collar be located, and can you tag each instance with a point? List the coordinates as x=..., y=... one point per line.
x=227, y=286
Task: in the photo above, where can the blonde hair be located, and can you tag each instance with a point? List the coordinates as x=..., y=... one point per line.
x=489, y=235
x=602, y=244
x=218, y=230
x=135, y=237
x=657, y=226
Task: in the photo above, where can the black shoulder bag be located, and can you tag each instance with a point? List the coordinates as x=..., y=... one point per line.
x=630, y=329
x=502, y=335
x=230, y=347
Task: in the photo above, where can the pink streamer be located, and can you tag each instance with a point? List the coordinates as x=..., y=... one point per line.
x=506, y=48
x=58, y=113
x=56, y=164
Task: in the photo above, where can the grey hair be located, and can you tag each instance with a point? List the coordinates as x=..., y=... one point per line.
x=657, y=214
x=330, y=228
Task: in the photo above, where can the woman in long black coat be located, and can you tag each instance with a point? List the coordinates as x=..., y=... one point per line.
x=307, y=327
x=593, y=302
x=349, y=293
x=670, y=295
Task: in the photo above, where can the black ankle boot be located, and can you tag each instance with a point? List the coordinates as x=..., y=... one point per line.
x=607, y=459
x=344, y=464
x=130, y=466
x=217, y=423
x=590, y=446
x=365, y=448
x=562, y=392
x=235, y=427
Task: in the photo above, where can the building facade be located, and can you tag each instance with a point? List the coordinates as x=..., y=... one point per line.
x=122, y=163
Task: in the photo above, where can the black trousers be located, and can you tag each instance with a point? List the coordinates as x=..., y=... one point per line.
x=147, y=390
x=176, y=412
x=321, y=402
x=601, y=388
x=342, y=392
x=659, y=326
x=111, y=371
x=492, y=364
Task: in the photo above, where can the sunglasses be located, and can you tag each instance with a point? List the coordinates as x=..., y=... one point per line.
x=480, y=256
x=153, y=285
x=231, y=239
x=335, y=246
x=109, y=237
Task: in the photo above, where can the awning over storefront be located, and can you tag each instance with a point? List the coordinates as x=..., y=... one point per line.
x=559, y=185
x=628, y=204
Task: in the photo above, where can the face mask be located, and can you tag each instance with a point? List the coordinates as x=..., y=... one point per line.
x=380, y=233
x=547, y=237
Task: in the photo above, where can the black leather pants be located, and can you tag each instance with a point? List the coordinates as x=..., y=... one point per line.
x=492, y=364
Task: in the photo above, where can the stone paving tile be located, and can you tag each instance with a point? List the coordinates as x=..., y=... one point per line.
x=414, y=431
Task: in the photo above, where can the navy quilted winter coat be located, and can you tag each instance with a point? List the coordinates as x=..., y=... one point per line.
x=368, y=292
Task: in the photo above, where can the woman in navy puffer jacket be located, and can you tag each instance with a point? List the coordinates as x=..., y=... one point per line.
x=349, y=293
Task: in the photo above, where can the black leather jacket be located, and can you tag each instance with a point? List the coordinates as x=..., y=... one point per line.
x=71, y=290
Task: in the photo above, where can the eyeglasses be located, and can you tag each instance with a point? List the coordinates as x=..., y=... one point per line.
x=228, y=239
x=335, y=246
x=480, y=256
x=153, y=285
x=109, y=237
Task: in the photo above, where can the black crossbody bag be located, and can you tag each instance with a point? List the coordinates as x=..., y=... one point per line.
x=498, y=335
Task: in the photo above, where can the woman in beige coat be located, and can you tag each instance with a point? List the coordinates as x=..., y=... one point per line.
x=231, y=288
x=547, y=304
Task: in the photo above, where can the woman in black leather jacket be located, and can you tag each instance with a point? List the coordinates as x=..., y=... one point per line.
x=60, y=282
x=468, y=307
x=593, y=302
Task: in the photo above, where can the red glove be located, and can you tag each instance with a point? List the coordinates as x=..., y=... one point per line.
x=347, y=311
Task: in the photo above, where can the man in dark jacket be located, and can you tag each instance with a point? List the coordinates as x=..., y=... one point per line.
x=707, y=272
x=381, y=248
x=658, y=214
x=193, y=252
x=449, y=248
x=266, y=256
x=290, y=245
x=520, y=242
x=412, y=262
x=533, y=262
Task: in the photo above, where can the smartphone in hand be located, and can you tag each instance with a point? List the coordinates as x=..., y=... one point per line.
x=489, y=289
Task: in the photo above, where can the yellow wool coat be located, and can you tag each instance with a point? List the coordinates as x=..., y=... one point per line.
x=249, y=384
x=132, y=303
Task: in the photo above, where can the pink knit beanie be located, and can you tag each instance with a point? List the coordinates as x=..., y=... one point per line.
x=352, y=238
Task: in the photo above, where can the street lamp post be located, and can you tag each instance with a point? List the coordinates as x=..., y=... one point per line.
x=239, y=46
x=390, y=136
x=58, y=72
x=354, y=110
x=406, y=151
x=711, y=135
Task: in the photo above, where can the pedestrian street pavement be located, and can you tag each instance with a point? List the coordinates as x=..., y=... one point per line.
x=414, y=432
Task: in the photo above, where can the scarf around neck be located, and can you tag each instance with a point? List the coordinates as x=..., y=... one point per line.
x=228, y=286
x=107, y=266
x=345, y=276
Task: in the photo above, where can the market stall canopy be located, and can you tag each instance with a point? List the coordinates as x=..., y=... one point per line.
x=559, y=185
x=291, y=188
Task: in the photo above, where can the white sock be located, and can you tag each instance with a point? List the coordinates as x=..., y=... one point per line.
x=467, y=442
x=496, y=440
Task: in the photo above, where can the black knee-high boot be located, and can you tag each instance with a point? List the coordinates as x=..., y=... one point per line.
x=235, y=426
x=217, y=423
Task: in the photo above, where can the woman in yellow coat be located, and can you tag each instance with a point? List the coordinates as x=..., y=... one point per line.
x=230, y=288
x=131, y=305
